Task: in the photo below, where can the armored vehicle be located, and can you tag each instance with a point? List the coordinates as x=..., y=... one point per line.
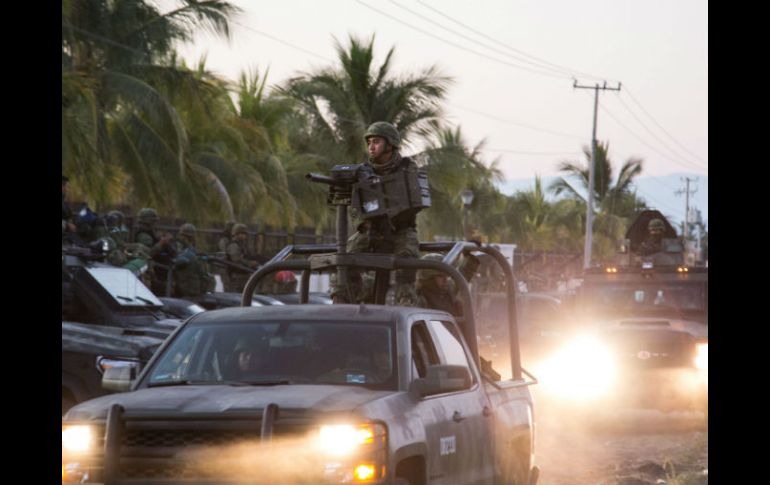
x=109, y=318
x=642, y=326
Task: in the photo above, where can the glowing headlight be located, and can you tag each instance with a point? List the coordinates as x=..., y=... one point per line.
x=702, y=356
x=77, y=438
x=343, y=439
x=583, y=369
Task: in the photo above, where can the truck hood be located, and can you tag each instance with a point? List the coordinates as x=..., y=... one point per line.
x=698, y=330
x=202, y=400
x=113, y=341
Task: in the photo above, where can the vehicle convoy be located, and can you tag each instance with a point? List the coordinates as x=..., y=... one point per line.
x=315, y=393
x=640, y=330
x=109, y=318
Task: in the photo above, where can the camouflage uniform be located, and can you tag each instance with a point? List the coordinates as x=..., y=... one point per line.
x=238, y=252
x=432, y=296
x=191, y=277
x=145, y=227
x=653, y=242
x=117, y=230
x=225, y=237
x=397, y=236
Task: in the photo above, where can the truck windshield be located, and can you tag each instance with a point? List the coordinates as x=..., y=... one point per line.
x=270, y=353
x=673, y=299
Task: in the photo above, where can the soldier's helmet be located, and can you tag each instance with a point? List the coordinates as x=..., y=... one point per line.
x=427, y=274
x=114, y=218
x=240, y=229
x=187, y=230
x=148, y=216
x=656, y=224
x=385, y=130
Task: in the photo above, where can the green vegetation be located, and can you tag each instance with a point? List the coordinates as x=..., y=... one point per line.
x=140, y=128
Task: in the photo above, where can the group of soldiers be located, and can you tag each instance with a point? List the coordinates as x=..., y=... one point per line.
x=170, y=264
x=161, y=252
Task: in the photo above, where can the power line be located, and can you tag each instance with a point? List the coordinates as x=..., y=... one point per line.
x=661, y=127
x=515, y=66
x=516, y=123
x=507, y=150
x=259, y=32
x=565, y=69
x=487, y=46
x=677, y=154
x=641, y=140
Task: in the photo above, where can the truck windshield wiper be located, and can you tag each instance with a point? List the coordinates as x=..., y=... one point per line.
x=144, y=300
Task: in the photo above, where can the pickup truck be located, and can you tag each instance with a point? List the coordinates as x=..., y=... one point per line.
x=312, y=394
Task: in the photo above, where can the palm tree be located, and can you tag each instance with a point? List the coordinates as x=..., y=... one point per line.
x=341, y=102
x=616, y=202
x=117, y=122
x=452, y=166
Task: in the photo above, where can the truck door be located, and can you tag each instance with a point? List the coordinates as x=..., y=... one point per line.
x=435, y=412
x=469, y=412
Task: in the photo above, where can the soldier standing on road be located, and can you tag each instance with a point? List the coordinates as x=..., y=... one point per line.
x=145, y=227
x=191, y=276
x=397, y=236
x=225, y=237
x=238, y=252
x=163, y=253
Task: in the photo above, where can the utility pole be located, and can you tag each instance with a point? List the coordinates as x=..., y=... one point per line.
x=687, y=181
x=591, y=170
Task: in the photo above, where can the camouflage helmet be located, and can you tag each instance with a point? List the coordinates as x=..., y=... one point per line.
x=426, y=274
x=239, y=228
x=147, y=216
x=385, y=130
x=187, y=230
x=656, y=224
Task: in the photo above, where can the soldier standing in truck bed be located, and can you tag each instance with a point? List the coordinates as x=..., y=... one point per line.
x=397, y=235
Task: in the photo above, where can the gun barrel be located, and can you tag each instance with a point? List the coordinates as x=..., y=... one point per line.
x=323, y=179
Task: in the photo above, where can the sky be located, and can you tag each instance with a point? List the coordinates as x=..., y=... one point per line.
x=514, y=64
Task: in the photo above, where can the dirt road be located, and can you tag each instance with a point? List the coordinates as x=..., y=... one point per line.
x=629, y=447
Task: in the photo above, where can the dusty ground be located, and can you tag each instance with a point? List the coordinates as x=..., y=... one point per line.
x=628, y=447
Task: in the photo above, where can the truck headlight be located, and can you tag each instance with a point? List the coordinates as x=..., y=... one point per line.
x=702, y=356
x=356, y=453
x=343, y=439
x=77, y=438
x=584, y=368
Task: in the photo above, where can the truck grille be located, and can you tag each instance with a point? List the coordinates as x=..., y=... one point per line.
x=182, y=438
x=657, y=348
x=177, y=450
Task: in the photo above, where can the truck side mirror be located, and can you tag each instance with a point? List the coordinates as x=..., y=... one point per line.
x=441, y=379
x=119, y=379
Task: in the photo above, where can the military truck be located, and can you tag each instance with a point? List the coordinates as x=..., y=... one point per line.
x=641, y=324
x=309, y=393
x=109, y=318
